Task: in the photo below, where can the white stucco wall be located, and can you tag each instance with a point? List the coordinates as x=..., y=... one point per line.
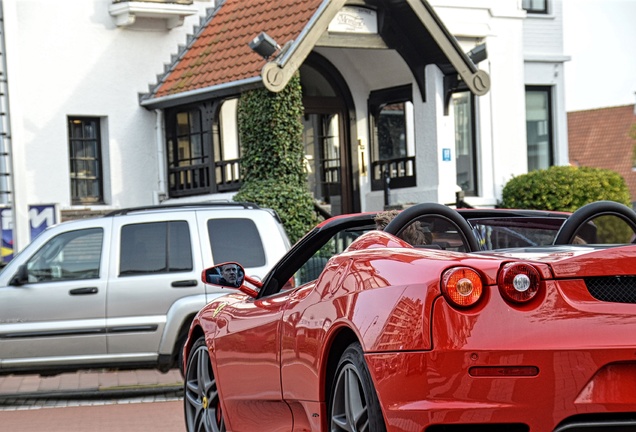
x=544, y=66
x=517, y=56
x=501, y=136
x=68, y=58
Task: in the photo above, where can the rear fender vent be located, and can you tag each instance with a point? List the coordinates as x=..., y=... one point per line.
x=615, y=289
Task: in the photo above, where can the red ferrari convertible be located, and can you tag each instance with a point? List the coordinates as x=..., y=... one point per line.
x=492, y=320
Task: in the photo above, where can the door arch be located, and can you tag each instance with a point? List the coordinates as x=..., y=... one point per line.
x=329, y=137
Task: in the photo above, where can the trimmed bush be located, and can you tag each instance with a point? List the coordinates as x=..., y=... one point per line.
x=272, y=167
x=564, y=188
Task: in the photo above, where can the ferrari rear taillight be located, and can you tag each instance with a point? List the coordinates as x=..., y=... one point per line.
x=462, y=286
x=518, y=282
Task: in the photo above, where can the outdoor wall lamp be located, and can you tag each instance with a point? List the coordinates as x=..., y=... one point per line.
x=478, y=54
x=264, y=45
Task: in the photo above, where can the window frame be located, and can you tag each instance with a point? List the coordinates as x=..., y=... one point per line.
x=214, y=173
x=472, y=103
x=401, y=171
x=527, y=5
x=225, y=246
x=78, y=198
x=48, y=264
x=548, y=91
x=131, y=245
x=227, y=170
x=185, y=177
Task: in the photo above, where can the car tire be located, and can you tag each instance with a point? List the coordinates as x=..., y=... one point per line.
x=201, y=401
x=354, y=404
x=179, y=345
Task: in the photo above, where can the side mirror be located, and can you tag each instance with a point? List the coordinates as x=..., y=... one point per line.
x=231, y=275
x=21, y=276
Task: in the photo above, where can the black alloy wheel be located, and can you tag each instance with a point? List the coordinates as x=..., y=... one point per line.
x=354, y=405
x=201, y=396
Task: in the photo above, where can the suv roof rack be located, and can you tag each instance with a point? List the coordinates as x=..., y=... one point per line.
x=245, y=205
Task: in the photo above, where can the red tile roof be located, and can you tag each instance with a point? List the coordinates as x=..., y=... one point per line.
x=220, y=53
x=600, y=138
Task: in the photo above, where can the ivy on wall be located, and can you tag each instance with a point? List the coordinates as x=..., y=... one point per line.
x=272, y=168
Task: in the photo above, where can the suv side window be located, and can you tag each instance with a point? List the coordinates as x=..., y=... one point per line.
x=68, y=256
x=157, y=247
x=237, y=240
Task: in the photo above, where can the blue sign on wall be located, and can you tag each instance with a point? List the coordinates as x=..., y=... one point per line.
x=446, y=155
x=40, y=218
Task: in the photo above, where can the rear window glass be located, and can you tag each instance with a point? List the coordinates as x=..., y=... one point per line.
x=512, y=232
x=236, y=240
x=158, y=247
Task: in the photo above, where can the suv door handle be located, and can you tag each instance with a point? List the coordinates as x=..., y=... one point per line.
x=184, y=283
x=83, y=291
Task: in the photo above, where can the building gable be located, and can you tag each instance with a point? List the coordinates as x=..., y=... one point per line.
x=218, y=60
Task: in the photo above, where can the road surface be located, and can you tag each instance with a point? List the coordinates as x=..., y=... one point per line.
x=118, y=417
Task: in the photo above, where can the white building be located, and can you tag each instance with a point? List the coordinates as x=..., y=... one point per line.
x=99, y=113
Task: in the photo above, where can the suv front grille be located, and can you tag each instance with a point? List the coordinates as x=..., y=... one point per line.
x=616, y=289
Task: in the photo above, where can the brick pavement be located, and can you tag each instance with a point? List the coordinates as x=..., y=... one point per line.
x=89, y=387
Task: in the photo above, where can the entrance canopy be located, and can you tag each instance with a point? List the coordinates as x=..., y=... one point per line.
x=218, y=60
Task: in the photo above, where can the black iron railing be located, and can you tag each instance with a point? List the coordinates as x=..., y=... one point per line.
x=399, y=171
x=189, y=180
x=228, y=175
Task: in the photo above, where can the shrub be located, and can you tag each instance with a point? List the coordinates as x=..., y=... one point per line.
x=564, y=188
x=272, y=168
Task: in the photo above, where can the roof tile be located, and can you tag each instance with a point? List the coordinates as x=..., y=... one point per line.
x=600, y=138
x=220, y=53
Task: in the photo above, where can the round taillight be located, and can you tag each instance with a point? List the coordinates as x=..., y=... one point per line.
x=462, y=286
x=518, y=282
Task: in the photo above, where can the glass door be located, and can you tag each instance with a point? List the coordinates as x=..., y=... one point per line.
x=321, y=138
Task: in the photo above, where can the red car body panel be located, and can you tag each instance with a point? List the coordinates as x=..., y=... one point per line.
x=562, y=354
x=246, y=354
x=579, y=364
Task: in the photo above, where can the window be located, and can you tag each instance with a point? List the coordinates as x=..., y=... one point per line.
x=227, y=149
x=158, y=247
x=189, y=149
x=465, y=145
x=509, y=232
x=236, y=240
x=85, y=160
x=321, y=140
x=392, y=131
x=535, y=6
x=539, y=127
x=393, y=145
x=203, y=149
x=69, y=256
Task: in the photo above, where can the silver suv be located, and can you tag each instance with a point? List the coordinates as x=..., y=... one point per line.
x=120, y=291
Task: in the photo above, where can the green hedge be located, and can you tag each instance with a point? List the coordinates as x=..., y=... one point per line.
x=272, y=163
x=564, y=188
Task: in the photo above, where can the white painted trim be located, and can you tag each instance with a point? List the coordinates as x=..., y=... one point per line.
x=126, y=13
